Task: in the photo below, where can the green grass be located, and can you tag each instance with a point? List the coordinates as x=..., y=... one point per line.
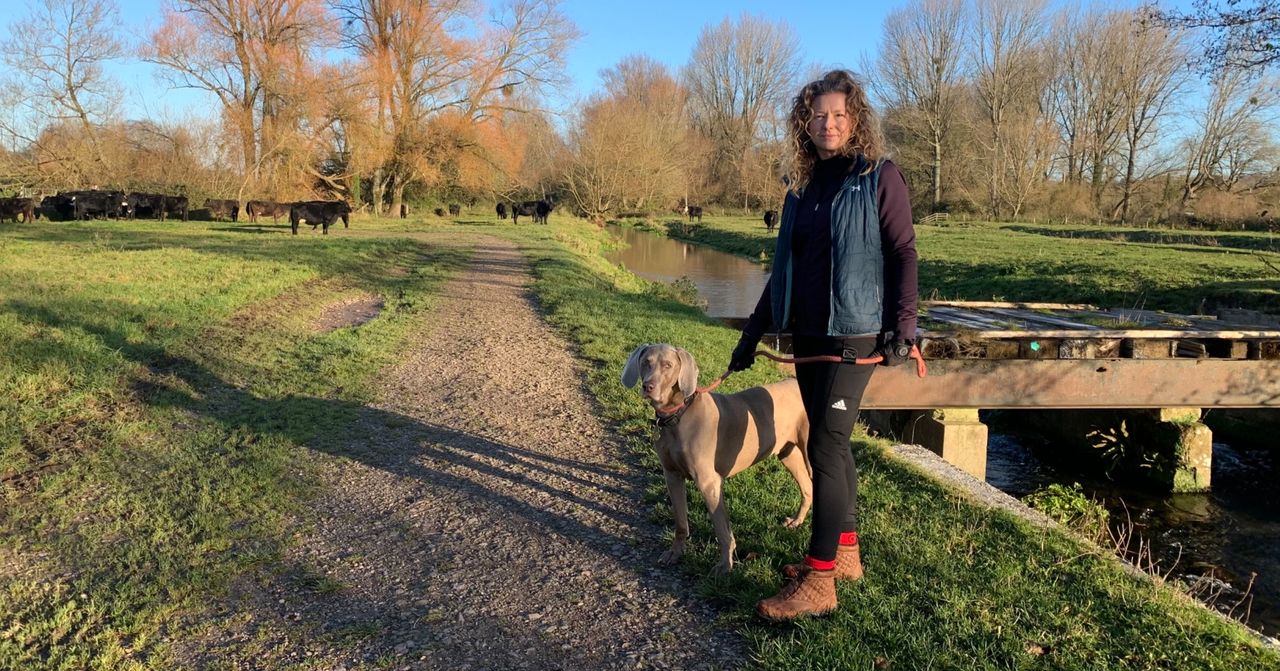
x=1109, y=266
x=163, y=384
x=949, y=585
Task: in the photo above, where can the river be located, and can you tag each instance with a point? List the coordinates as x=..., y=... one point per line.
x=1231, y=534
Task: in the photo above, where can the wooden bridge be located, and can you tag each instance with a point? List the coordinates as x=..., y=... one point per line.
x=994, y=355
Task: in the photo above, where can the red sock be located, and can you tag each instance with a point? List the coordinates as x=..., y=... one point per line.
x=849, y=538
x=819, y=564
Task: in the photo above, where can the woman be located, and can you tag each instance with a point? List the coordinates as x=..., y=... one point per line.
x=843, y=283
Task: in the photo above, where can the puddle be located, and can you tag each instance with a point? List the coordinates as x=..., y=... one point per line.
x=351, y=312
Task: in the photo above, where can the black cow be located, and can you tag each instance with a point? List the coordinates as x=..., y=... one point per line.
x=404, y=210
x=543, y=209
x=10, y=208
x=454, y=209
x=175, y=205
x=263, y=208
x=219, y=208
x=319, y=213
x=528, y=208
x=144, y=204
x=695, y=211
x=96, y=203
x=502, y=210
x=57, y=208
x=770, y=220
x=439, y=211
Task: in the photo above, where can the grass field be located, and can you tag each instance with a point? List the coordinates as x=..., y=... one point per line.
x=162, y=384
x=157, y=383
x=1108, y=266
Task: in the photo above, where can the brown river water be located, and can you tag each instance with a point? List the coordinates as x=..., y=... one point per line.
x=1229, y=538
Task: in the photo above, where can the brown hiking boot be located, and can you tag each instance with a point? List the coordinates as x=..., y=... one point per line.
x=848, y=564
x=813, y=592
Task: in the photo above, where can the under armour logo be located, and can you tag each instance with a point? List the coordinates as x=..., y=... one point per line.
x=839, y=405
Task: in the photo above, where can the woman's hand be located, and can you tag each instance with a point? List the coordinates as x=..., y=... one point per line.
x=744, y=355
x=895, y=351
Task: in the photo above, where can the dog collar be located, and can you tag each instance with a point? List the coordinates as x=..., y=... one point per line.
x=673, y=418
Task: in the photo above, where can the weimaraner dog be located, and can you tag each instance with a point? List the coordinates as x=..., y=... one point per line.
x=716, y=436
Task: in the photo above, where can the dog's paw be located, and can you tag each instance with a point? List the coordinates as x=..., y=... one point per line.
x=671, y=556
x=722, y=568
x=792, y=522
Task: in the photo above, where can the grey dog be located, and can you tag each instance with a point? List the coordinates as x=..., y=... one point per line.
x=717, y=436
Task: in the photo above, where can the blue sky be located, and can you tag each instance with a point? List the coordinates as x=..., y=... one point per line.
x=832, y=33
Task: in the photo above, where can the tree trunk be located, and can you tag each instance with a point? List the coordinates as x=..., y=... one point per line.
x=937, y=171
x=397, y=196
x=1122, y=208
x=378, y=190
x=248, y=143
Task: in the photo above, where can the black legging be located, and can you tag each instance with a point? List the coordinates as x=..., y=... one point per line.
x=832, y=393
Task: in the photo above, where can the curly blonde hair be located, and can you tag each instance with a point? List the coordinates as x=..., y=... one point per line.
x=865, y=138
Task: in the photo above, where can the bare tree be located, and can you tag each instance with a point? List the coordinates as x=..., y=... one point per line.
x=919, y=74
x=737, y=72
x=251, y=54
x=1243, y=34
x=524, y=48
x=628, y=148
x=654, y=107
x=57, y=53
x=1085, y=100
x=428, y=59
x=1152, y=78
x=1010, y=73
x=1232, y=138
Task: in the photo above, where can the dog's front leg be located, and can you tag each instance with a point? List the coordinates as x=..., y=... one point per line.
x=680, y=511
x=713, y=492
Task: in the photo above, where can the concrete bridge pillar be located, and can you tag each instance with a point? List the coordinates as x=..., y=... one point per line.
x=955, y=434
x=1180, y=449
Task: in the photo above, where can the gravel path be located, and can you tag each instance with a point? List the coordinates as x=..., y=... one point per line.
x=480, y=517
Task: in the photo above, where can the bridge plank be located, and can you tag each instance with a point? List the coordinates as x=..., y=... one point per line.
x=1062, y=383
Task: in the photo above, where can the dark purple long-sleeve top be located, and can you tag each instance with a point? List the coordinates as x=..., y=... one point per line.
x=811, y=248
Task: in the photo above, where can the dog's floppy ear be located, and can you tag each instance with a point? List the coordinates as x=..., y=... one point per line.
x=631, y=371
x=688, y=372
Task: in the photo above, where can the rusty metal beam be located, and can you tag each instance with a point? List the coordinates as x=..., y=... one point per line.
x=1098, y=383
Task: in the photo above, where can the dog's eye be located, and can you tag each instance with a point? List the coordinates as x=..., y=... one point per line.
x=666, y=364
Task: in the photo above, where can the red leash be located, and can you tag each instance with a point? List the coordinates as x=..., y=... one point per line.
x=921, y=370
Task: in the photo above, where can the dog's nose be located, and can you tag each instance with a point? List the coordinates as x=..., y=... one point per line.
x=648, y=386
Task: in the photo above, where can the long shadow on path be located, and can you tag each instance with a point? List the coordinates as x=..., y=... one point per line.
x=441, y=490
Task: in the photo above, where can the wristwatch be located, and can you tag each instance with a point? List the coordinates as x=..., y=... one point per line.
x=902, y=349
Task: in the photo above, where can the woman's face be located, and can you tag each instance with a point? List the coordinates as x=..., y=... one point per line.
x=829, y=126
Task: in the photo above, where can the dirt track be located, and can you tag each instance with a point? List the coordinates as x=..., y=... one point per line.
x=480, y=517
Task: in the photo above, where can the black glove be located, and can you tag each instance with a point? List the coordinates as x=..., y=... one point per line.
x=895, y=351
x=744, y=354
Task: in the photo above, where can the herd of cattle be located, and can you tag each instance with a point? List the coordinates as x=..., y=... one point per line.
x=93, y=204
x=100, y=204
x=538, y=209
